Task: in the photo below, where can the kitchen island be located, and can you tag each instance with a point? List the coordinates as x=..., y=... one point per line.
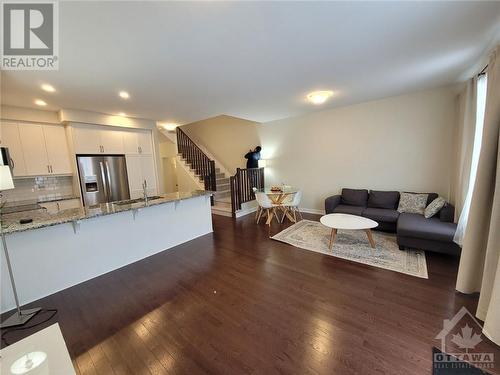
x=59, y=250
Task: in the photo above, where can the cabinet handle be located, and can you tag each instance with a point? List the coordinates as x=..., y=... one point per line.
x=48, y=168
x=140, y=148
x=51, y=170
x=12, y=164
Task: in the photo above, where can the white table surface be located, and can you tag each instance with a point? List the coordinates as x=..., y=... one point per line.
x=49, y=341
x=346, y=221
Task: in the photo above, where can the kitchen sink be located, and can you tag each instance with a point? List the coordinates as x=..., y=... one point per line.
x=137, y=200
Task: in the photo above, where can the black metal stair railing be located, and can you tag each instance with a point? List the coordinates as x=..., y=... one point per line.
x=196, y=158
x=242, y=184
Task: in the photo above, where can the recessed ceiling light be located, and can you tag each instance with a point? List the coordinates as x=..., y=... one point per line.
x=319, y=97
x=169, y=126
x=48, y=88
x=123, y=114
x=124, y=95
x=40, y=102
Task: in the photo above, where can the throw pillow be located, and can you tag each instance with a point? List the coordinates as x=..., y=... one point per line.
x=412, y=203
x=434, y=207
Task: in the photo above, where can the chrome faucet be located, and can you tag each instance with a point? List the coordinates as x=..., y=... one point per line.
x=145, y=191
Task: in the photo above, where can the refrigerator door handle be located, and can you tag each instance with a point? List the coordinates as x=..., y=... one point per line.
x=104, y=181
x=108, y=184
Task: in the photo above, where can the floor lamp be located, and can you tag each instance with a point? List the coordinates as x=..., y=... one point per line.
x=20, y=317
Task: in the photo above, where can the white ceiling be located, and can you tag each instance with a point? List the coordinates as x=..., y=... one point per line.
x=187, y=61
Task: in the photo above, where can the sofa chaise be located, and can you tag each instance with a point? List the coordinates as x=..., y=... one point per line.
x=412, y=230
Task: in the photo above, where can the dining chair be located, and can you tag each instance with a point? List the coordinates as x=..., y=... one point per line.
x=292, y=205
x=266, y=207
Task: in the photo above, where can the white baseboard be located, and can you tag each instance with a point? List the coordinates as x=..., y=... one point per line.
x=312, y=211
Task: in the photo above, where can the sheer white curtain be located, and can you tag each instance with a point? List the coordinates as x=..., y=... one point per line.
x=476, y=149
x=479, y=269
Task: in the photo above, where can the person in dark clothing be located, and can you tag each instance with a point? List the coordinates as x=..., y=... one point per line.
x=253, y=157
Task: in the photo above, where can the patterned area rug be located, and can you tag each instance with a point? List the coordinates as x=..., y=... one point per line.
x=354, y=246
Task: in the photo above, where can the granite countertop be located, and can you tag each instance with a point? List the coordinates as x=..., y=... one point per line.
x=42, y=218
x=29, y=202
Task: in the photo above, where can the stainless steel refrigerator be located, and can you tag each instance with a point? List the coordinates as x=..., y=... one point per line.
x=103, y=179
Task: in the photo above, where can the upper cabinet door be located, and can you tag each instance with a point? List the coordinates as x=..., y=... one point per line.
x=35, y=153
x=130, y=142
x=57, y=149
x=87, y=141
x=11, y=139
x=112, y=141
x=144, y=143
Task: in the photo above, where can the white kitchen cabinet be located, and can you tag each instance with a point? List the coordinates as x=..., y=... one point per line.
x=137, y=142
x=45, y=149
x=34, y=149
x=92, y=140
x=111, y=141
x=57, y=149
x=141, y=168
x=86, y=140
x=134, y=173
x=10, y=138
x=144, y=142
x=148, y=173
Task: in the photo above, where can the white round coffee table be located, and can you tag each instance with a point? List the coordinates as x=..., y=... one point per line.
x=349, y=222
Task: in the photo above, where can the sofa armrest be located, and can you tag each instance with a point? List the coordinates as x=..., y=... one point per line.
x=447, y=213
x=331, y=203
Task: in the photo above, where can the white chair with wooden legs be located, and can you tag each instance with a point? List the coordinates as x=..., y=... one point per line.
x=265, y=208
x=292, y=207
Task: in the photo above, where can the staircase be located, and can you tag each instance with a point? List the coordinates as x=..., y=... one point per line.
x=208, y=174
x=222, y=196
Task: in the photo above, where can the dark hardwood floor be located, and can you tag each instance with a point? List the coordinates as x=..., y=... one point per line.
x=237, y=302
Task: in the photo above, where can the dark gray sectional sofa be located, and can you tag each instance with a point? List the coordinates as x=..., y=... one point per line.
x=412, y=230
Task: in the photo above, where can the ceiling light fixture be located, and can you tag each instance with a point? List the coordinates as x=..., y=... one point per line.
x=48, y=88
x=169, y=126
x=319, y=97
x=40, y=102
x=124, y=95
x=122, y=114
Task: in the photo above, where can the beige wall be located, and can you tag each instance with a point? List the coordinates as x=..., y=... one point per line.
x=227, y=138
x=400, y=143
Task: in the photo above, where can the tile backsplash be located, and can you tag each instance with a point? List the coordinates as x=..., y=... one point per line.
x=40, y=188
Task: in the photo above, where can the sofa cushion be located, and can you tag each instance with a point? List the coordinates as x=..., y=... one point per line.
x=346, y=209
x=381, y=214
x=383, y=199
x=354, y=197
x=412, y=203
x=417, y=226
